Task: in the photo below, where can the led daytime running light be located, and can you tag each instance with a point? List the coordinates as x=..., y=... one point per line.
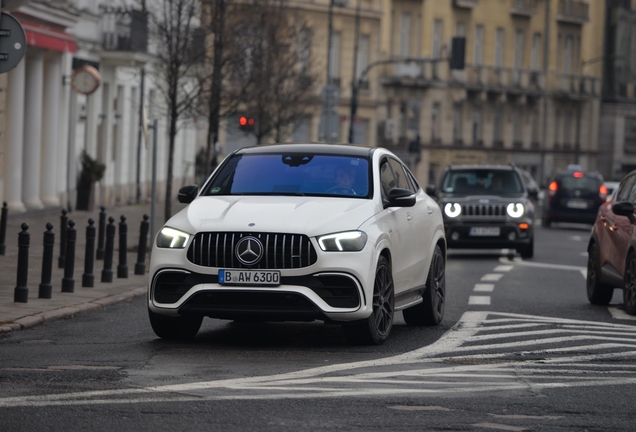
x=452, y=210
x=515, y=210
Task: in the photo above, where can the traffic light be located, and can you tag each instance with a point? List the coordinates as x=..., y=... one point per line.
x=246, y=124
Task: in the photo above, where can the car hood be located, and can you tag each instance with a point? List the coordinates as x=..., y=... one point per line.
x=299, y=215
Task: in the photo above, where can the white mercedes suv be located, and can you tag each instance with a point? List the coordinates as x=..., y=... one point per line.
x=301, y=232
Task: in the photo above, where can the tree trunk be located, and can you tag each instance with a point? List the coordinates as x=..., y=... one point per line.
x=173, y=134
x=216, y=88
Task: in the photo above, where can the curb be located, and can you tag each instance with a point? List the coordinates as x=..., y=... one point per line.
x=69, y=311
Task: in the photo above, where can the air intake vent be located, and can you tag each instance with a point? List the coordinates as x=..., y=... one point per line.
x=280, y=251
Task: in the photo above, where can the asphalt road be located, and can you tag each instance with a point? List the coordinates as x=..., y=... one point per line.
x=520, y=348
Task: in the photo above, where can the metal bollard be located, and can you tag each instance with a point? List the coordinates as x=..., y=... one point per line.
x=107, y=273
x=122, y=268
x=46, y=289
x=88, y=279
x=68, y=283
x=100, y=235
x=63, y=227
x=21, y=292
x=140, y=265
x=3, y=228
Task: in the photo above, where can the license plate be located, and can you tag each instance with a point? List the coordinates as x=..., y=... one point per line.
x=484, y=231
x=577, y=204
x=249, y=277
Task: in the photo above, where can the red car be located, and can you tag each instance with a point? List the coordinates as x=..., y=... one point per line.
x=612, y=249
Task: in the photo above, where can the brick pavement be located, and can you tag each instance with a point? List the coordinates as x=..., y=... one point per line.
x=16, y=316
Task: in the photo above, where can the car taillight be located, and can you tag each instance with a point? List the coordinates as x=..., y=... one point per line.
x=552, y=189
x=602, y=191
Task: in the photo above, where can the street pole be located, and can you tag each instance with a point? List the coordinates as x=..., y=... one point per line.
x=355, y=84
x=327, y=100
x=141, y=121
x=546, y=58
x=217, y=88
x=153, y=191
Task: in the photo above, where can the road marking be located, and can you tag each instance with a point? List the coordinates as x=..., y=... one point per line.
x=519, y=261
x=484, y=287
x=494, y=277
x=620, y=314
x=576, y=238
x=419, y=408
x=461, y=363
x=525, y=417
x=584, y=273
x=479, y=300
x=503, y=268
x=500, y=427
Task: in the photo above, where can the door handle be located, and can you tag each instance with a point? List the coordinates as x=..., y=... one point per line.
x=429, y=209
x=409, y=217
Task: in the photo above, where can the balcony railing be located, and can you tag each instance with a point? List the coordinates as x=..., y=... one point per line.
x=467, y=4
x=524, y=8
x=504, y=79
x=573, y=11
x=124, y=30
x=577, y=85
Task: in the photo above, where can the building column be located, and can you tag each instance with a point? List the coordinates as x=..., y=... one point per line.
x=51, y=131
x=31, y=162
x=15, y=136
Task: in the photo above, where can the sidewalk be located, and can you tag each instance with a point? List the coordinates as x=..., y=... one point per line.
x=17, y=316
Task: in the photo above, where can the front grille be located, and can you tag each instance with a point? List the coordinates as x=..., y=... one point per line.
x=484, y=209
x=170, y=286
x=282, y=251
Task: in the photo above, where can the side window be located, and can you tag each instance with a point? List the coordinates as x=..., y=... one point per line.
x=386, y=178
x=625, y=189
x=400, y=175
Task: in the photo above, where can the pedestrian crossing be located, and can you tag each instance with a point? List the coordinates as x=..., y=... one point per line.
x=484, y=352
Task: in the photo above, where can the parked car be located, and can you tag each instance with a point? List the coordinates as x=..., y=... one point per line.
x=612, y=248
x=573, y=196
x=486, y=207
x=341, y=234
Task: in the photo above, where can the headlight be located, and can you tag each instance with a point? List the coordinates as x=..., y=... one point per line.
x=452, y=210
x=344, y=241
x=515, y=210
x=172, y=238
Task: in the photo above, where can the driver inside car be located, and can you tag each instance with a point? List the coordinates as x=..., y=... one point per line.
x=344, y=179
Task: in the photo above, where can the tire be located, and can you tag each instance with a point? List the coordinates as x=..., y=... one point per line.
x=629, y=290
x=527, y=251
x=375, y=329
x=546, y=222
x=175, y=328
x=431, y=311
x=597, y=293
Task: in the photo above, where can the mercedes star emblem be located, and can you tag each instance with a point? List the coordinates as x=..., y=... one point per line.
x=249, y=250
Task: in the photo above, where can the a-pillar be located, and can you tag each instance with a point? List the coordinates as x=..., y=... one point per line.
x=51, y=127
x=33, y=130
x=15, y=136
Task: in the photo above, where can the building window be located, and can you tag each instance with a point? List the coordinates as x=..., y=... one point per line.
x=630, y=135
x=363, y=53
x=477, y=128
x=567, y=56
x=519, y=49
x=536, y=52
x=460, y=29
x=567, y=129
x=517, y=127
x=437, y=39
x=457, y=123
x=405, y=33
x=303, y=52
x=334, y=56
x=499, y=48
x=302, y=130
x=479, y=46
x=535, y=128
x=557, y=128
x=497, y=128
x=435, y=122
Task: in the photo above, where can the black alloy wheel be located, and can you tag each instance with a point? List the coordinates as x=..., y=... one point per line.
x=431, y=311
x=597, y=293
x=629, y=290
x=527, y=251
x=175, y=327
x=375, y=329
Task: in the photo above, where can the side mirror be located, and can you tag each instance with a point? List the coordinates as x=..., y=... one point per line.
x=431, y=190
x=624, y=208
x=187, y=194
x=401, y=198
x=533, y=193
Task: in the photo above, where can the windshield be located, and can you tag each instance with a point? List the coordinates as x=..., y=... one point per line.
x=292, y=174
x=482, y=182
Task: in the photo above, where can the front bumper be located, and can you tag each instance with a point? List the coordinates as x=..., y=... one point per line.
x=458, y=234
x=338, y=287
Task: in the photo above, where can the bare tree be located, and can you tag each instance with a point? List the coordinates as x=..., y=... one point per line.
x=175, y=36
x=269, y=70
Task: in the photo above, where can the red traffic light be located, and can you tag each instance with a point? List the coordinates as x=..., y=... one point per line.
x=250, y=122
x=243, y=121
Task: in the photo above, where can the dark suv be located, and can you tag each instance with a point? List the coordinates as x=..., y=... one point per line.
x=573, y=196
x=486, y=207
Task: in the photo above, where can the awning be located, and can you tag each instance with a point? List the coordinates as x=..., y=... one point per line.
x=48, y=38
